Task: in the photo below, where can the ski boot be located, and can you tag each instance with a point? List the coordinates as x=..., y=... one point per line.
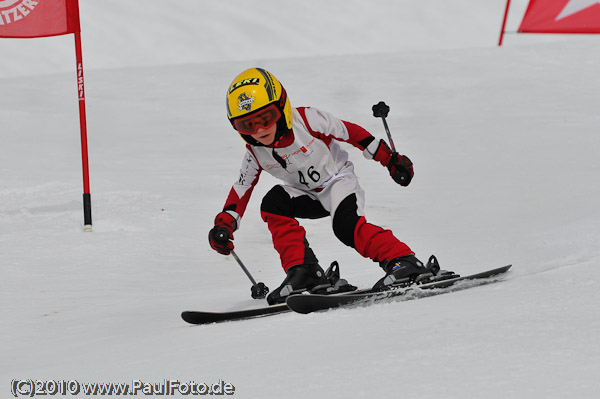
x=310, y=278
x=299, y=278
x=408, y=270
x=402, y=272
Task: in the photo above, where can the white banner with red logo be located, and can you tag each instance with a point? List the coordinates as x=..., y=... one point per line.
x=38, y=18
x=561, y=16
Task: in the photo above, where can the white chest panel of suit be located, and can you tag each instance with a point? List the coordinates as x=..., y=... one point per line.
x=309, y=162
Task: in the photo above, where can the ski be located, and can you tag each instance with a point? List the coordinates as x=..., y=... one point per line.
x=201, y=317
x=308, y=303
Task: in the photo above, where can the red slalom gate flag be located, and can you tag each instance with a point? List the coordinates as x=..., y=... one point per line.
x=561, y=16
x=38, y=18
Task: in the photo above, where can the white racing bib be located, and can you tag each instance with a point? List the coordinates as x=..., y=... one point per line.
x=309, y=162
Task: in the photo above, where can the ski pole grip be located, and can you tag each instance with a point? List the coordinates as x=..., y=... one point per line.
x=222, y=236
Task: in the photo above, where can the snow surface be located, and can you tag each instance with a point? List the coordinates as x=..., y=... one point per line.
x=506, y=150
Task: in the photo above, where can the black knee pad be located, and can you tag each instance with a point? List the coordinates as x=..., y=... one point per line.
x=345, y=220
x=278, y=202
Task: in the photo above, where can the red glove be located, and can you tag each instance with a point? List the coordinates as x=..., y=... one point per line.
x=220, y=237
x=400, y=166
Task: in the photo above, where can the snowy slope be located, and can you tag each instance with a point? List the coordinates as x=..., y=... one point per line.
x=140, y=33
x=505, y=144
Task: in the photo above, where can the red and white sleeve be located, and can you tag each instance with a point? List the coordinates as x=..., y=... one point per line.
x=326, y=127
x=240, y=192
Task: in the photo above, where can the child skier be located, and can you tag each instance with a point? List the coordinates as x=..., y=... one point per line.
x=300, y=147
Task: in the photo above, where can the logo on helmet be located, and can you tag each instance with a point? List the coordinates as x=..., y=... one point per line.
x=245, y=102
x=244, y=82
x=14, y=10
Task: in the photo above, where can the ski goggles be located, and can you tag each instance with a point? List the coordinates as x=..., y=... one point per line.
x=264, y=118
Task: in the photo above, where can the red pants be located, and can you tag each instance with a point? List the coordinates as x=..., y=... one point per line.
x=279, y=210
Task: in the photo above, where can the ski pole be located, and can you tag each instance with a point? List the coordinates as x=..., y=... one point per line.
x=258, y=290
x=381, y=110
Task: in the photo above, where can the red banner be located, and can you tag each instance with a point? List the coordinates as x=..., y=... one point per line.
x=561, y=16
x=38, y=18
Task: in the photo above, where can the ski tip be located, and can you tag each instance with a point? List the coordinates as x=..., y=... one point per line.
x=187, y=317
x=198, y=317
x=504, y=268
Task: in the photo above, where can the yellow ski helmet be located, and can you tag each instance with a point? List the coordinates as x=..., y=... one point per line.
x=256, y=98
